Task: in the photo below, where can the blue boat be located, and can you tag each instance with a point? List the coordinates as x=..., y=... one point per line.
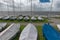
x=50, y=33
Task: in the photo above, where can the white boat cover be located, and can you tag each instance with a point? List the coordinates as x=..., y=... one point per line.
x=58, y=26
x=1, y=17
x=33, y=18
x=8, y=33
x=29, y=33
x=21, y=17
x=2, y=25
x=13, y=17
x=6, y=17
x=26, y=18
x=40, y=18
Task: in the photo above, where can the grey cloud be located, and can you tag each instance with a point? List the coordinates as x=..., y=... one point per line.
x=21, y=6
x=58, y=4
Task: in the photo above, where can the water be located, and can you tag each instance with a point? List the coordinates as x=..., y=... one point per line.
x=16, y=13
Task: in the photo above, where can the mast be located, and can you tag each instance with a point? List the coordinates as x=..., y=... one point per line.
x=50, y=10
x=31, y=7
x=13, y=8
x=20, y=8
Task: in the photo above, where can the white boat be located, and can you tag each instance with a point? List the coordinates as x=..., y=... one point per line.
x=26, y=18
x=0, y=28
x=29, y=33
x=10, y=32
x=2, y=25
x=6, y=17
x=20, y=18
x=13, y=17
x=58, y=26
x=33, y=18
x=1, y=17
x=40, y=18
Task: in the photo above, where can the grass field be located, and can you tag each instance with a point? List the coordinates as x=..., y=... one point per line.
x=17, y=21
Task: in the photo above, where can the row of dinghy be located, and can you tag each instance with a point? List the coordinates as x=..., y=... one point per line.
x=21, y=17
x=31, y=33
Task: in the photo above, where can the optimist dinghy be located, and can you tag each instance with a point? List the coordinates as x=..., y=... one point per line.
x=29, y=33
x=50, y=33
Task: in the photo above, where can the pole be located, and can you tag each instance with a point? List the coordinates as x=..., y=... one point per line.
x=50, y=10
x=8, y=9
x=20, y=8
x=1, y=11
x=51, y=6
x=13, y=8
x=31, y=11
x=31, y=7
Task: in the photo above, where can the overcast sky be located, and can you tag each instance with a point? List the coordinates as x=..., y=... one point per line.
x=25, y=5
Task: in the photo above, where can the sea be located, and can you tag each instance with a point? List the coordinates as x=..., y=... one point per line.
x=30, y=13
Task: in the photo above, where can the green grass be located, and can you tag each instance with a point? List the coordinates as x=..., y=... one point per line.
x=16, y=21
x=40, y=33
